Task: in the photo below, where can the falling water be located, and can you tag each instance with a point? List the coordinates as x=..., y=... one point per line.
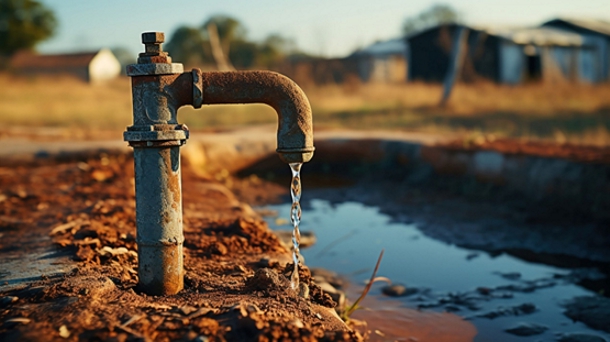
x=295, y=218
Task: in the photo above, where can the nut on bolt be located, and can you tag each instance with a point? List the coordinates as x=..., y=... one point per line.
x=153, y=37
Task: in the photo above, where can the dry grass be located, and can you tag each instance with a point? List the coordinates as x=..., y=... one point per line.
x=63, y=101
x=577, y=114
x=564, y=113
x=467, y=99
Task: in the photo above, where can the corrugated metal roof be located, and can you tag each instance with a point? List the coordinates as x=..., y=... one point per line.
x=596, y=25
x=386, y=47
x=538, y=36
x=525, y=35
x=24, y=60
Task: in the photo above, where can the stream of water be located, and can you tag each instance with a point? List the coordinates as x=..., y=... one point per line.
x=295, y=218
x=350, y=236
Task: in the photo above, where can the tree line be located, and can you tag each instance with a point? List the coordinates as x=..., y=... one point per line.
x=225, y=37
x=220, y=41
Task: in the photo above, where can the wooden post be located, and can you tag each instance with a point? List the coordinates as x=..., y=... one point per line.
x=455, y=64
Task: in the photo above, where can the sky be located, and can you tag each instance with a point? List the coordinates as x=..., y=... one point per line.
x=331, y=28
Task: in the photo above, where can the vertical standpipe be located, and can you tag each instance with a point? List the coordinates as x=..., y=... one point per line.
x=159, y=215
x=159, y=88
x=156, y=138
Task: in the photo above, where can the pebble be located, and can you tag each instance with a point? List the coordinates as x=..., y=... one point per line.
x=527, y=329
x=511, y=275
x=398, y=290
x=64, y=332
x=297, y=323
x=594, y=311
x=21, y=320
x=303, y=291
x=486, y=291
x=4, y=301
x=472, y=256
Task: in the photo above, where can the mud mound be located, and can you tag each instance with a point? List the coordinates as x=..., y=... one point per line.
x=235, y=269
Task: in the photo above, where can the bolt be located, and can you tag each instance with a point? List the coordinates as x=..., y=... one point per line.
x=153, y=52
x=153, y=37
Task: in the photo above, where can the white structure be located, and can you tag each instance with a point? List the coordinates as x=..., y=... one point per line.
x=384, y=61
x=92, y=67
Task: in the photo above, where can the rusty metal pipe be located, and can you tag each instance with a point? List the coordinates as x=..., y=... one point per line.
x=295, y=131
x=159, y=89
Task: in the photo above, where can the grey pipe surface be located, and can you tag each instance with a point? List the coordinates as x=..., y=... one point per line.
x=159, y=219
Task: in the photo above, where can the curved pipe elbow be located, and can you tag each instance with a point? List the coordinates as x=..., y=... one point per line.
x=295, y=129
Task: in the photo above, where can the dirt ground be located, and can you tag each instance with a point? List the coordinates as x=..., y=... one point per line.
x=591, y=154
x=236, y=286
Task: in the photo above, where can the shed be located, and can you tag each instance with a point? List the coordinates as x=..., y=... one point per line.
x=383, y=61
x=91, y=67
x=597, y=32
x=504, y=55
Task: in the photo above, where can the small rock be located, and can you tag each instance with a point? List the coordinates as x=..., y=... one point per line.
x=517, y=310
x=18, y=320
x=398, y=290
x=187, y=310
x=594, y=311
x=303, y=291
x=4, y=301
x=511, y=275
x=527, y=329
x=94, y=287
x=486, y=291
x=64, y=332
x=297, y=323
x=264, y=262
x=471, y=256
x=581, y=338
x=110, y=251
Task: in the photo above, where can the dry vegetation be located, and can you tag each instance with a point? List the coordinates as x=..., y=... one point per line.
x=562, y=113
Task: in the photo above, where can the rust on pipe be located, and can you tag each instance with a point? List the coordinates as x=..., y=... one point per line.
x=295, y=129
x=159, y=89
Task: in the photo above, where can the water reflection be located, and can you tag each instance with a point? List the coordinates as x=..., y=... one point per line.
x=350, y=236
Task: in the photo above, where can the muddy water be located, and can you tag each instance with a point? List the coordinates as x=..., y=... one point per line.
x=445, y=277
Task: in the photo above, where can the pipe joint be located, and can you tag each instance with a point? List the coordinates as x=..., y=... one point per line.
x=156, y=135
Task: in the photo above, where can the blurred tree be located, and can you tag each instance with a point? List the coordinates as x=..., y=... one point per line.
x=273, y=50
x=244, y=54
x=222, y=41
x=188, y=46
x=23, y=24
x=229, y=30
x=435, y=15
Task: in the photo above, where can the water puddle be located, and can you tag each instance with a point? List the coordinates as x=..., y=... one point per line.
x=493, y=293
